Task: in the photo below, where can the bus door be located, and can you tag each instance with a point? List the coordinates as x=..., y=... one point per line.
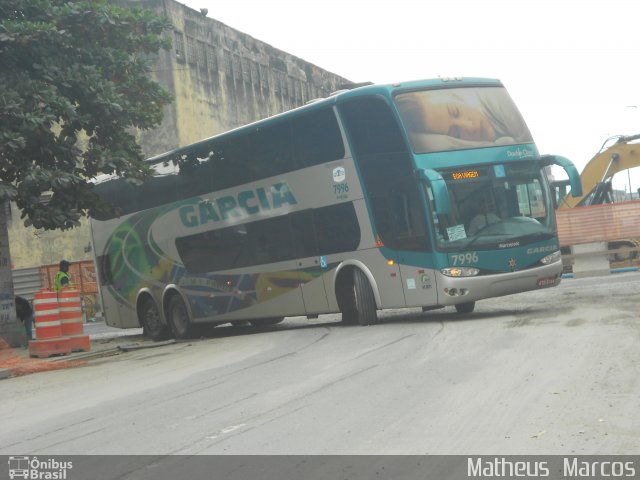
x=418, y=283
x=309, y=265
x=410, y=240
x=384, y=267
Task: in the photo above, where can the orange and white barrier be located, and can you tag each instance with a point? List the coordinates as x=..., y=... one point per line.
x=70, y=312
x=71, y=319
x=49, y=340
x=58, y=324
x=47, y=315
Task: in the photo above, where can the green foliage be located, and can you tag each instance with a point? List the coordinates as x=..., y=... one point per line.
x=75, y=83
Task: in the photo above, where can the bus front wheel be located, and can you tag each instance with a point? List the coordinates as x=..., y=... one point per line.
x=179, y=318
x=365, y=303
x=152, y=325
x=465, y=307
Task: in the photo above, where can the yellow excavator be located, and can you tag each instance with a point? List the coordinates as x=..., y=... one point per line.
x=596, y=183
x=597, y=174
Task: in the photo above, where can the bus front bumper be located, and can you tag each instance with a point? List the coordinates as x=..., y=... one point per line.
x=454, y=290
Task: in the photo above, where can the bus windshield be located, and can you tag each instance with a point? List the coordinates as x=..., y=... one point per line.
x=496, y=205
x=460, y=118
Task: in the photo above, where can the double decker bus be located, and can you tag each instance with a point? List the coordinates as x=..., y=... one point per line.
x=421, y=194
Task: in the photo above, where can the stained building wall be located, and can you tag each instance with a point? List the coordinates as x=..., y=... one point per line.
x=220, y=79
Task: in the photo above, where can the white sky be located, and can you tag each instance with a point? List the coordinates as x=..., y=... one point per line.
x=571, y=66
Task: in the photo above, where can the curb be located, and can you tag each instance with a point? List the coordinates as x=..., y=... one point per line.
x=136, y=346
x=21, y=364
x=16, y=362
x=88, y=355
x=612, y=271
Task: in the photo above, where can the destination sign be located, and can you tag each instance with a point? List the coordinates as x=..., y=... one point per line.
x=465, y=175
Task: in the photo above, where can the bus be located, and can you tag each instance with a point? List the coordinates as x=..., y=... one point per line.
x=363, y=201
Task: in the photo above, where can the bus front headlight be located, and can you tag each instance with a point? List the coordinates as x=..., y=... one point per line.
x=551, y=258
x=460, y=272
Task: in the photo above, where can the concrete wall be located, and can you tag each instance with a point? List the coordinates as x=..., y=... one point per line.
x=221, y=79
x=31, y=247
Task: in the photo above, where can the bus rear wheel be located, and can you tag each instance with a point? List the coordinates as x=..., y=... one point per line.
x=465, y=307
x=152, y=325
x=179, y=318
x=365, y=303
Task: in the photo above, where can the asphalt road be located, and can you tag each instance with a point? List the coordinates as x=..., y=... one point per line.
x=548, y=372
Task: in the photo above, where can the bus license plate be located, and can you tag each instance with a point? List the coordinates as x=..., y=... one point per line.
x=547, y=281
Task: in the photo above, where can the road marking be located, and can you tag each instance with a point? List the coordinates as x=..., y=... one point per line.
x=232, y=428
x=225, y=430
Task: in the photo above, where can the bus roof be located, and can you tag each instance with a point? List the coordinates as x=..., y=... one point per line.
x=342, y=95
x=442, y=82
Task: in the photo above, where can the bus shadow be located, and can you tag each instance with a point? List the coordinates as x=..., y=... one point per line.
x=334, y=321
x=439, y=316
x=228, y=330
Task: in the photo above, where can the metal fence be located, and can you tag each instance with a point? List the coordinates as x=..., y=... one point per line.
x=82, y=274
x=599, y=223
x=83, y=277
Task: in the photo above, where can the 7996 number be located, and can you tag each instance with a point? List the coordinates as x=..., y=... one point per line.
x=465, y=258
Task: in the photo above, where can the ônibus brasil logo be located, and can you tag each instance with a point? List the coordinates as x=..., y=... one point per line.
x=38, y=469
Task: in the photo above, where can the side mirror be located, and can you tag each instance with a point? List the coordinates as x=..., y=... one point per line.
x=569, y=167
x=439, y=189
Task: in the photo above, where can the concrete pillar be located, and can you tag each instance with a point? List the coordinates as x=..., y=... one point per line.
x=591, y=260
x=11, y=329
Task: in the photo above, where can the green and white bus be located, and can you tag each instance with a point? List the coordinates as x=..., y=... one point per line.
x=421, y=194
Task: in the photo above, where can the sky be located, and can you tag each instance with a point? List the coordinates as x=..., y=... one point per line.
x=572, y=67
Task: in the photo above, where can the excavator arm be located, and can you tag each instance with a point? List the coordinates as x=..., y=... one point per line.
x=596, y=188
x=596, y=174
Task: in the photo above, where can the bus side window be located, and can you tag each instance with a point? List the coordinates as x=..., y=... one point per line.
x=410, y=231
x=303, y=233
x=372, y=127
x=325, y=230
x=271, y=151
x=337, y=229
x=268, y=241
x=317, y=138
x=384, y=218
x=231, y=164
x=387, y=169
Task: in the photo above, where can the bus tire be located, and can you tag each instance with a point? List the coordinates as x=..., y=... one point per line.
x=265, y=322
x=349, y=317
x=178, y=316
x=152, y=326
x=465, y=307
x=365, y=303
x=345, y=297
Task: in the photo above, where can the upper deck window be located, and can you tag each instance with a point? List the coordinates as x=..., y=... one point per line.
x=267, y=150
x=460, y=118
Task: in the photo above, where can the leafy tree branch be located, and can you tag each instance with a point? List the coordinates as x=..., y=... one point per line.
x=75, y=83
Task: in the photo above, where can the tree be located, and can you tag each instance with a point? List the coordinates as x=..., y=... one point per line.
x=75, y=83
